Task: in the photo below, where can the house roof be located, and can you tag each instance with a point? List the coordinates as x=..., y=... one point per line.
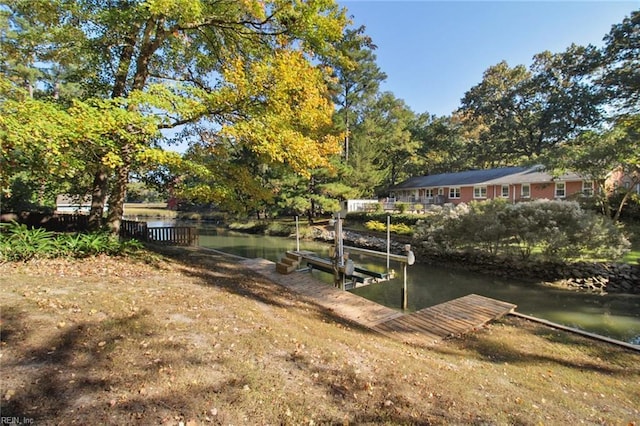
x=499, y=176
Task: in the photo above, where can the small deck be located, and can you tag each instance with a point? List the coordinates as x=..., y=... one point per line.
x=452, y=318
x=423, y=327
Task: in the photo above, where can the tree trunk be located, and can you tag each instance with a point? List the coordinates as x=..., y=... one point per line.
x=116, y=200
x=119, y=192
x=98, y=199
x=312, y=204
x=625, y=197
x=311, y=212
x=346, y=136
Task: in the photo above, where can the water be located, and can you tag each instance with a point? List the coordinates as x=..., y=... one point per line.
x=615, y=316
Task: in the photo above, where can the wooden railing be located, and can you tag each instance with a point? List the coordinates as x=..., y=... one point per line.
x=164, y=235
x=134, y=229
x=173, y=235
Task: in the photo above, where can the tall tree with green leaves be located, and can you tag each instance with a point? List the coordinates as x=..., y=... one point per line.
x=521, y=113
x=357, y=80
x=182, y=62
x=386, y=128
x=620, y=65
x=596, y=154
x=443, y=145
x=614, y=144
x=499, y=109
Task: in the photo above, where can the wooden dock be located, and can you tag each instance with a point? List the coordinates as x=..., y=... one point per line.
x=344, y=304
x=424, y=327
x=452, y=318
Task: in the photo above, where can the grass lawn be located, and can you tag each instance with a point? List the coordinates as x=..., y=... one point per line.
x=633, y=230
x=149, y=210
x=200, y=340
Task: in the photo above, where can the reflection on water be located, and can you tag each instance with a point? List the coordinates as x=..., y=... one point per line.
x=616, y=316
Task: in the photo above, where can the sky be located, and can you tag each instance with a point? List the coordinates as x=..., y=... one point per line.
x=435, y=51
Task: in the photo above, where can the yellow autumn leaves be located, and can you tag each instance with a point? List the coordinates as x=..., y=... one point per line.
x=288, y=110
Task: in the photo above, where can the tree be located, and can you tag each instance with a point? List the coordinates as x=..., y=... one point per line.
x=595, y=154
x=620, y=74
x=286, y=120
x=522, y=113
x=500, y=110
x=357, y=79
x=43, y=136
x=613, y=75
x=169, y=59
x=387, y=127
x=444, y=147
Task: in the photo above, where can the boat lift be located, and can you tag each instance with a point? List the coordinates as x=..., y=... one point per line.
x=346, y=274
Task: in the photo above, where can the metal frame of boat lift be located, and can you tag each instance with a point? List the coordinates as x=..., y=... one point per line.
x=342, y=267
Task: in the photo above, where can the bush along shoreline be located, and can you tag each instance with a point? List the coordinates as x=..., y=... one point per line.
x=597, y=277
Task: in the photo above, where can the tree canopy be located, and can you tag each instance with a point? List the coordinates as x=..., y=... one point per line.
x=233, y=66
x=280, y=104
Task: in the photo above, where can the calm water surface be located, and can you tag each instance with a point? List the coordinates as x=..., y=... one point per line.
x=616, y=316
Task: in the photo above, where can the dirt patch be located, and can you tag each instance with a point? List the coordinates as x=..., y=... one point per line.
x=200, y=340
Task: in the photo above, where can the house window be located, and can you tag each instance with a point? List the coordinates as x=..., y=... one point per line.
x=525, y=192
x=454, y=192
x=560, y=190
x=440, y=191
x=428, y=193
x=587, y=188
x=505, y=191
x=479, y=192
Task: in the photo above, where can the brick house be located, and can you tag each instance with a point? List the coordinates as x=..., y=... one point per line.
x=512, y=183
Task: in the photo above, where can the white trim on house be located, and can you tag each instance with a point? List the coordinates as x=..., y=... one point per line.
x=587, y=188
x=502, y=191
x=480, y=192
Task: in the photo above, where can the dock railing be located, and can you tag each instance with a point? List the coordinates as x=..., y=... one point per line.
x=163, y=235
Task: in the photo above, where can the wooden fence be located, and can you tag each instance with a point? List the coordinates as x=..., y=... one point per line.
x=58, y=222
x=173, y=235
x=164, y=235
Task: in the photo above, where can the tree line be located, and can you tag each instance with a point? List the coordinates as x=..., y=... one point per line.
x=280, y=105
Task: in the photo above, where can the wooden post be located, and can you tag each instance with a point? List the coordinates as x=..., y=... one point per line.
x=297, y=235
x=404, y=286
x=388, y=240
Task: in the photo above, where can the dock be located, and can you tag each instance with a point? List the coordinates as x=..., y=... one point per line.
x=424, y=327
x=351, y=275
x=448, y=319
x=344, y=304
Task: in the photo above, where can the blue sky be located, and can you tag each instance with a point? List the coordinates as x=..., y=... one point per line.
x=434, y=51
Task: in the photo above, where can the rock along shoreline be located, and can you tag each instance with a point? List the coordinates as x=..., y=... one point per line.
x=596, y=277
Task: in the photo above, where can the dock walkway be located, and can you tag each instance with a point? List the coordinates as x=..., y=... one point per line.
x=423, y=327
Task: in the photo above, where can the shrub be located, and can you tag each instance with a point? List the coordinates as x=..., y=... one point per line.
x=551, y=228
x=400, y=228
x=374, y=225
x=363, y=217
x=280, y=229
x=19, y=243
x=251, y=227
